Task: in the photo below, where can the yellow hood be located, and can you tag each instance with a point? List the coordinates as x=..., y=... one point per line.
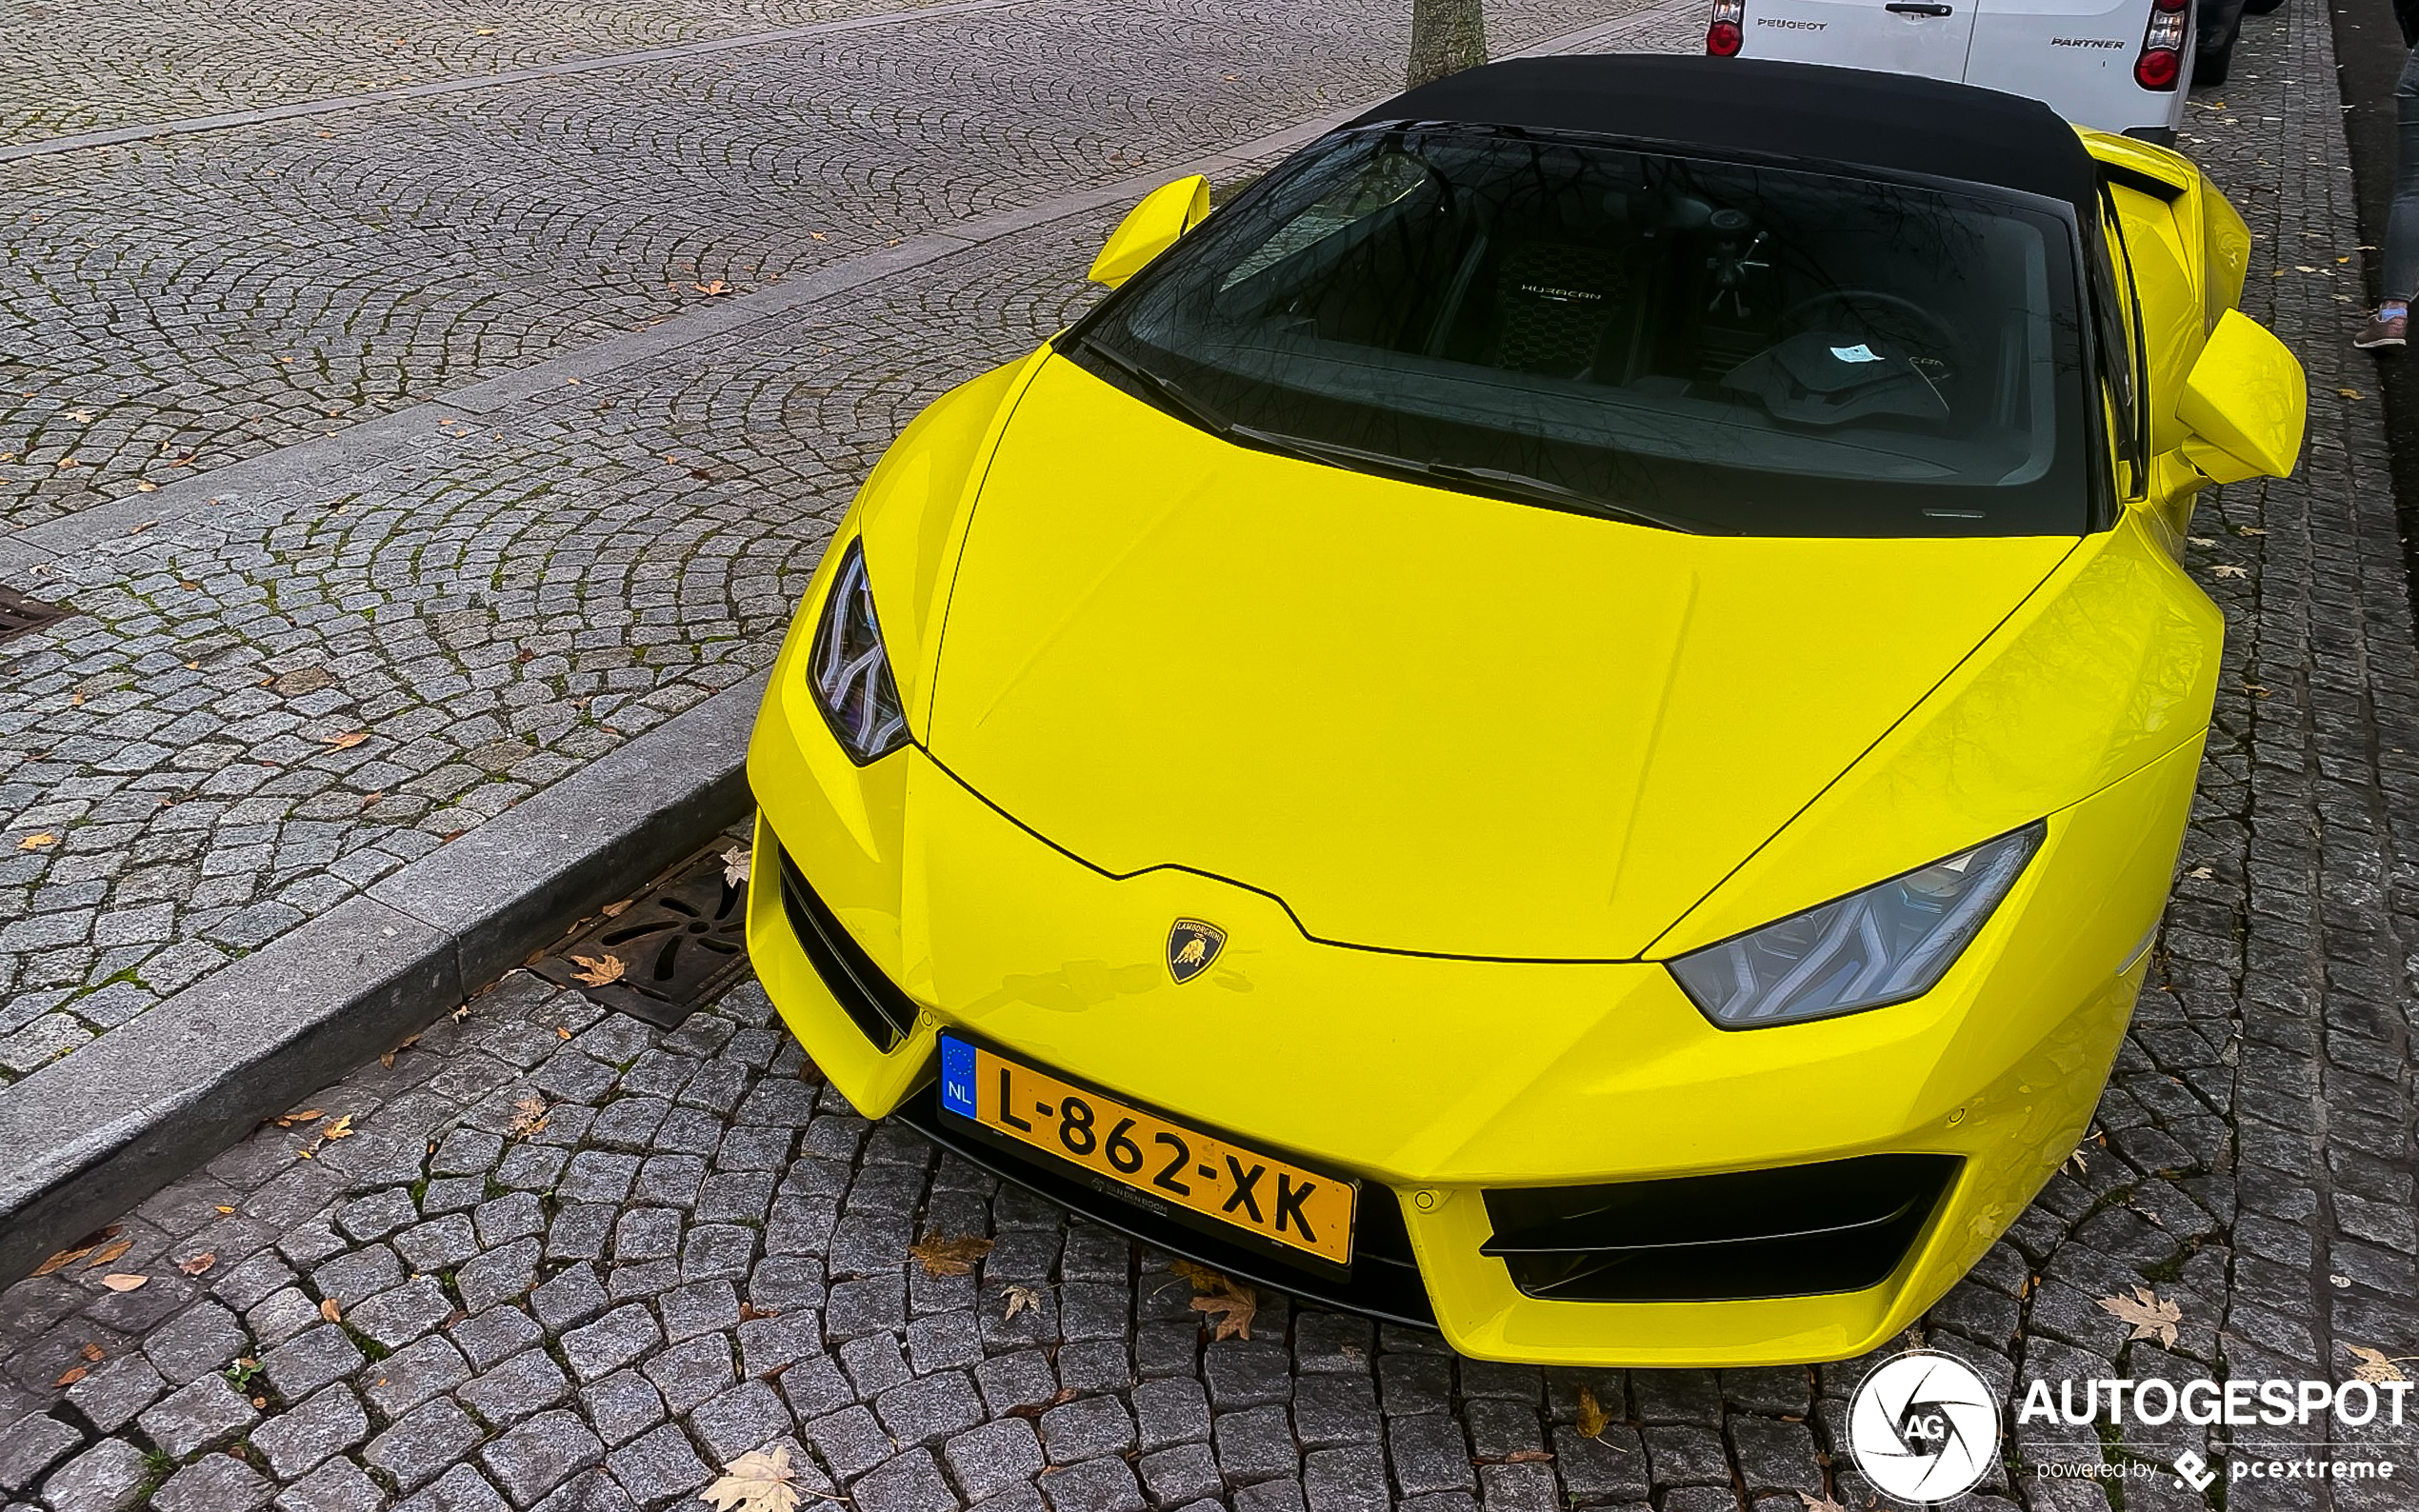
x=1424, y=721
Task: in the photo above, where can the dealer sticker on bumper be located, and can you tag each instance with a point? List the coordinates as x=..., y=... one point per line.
x=1273, y=1199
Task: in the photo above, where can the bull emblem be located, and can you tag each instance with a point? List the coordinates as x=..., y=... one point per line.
x=1192, y=945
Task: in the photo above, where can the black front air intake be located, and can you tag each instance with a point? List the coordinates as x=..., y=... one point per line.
x=871, y=1000
x=1797, y=1231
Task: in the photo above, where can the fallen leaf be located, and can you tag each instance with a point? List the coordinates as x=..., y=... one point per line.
x=2348, y=393
x=146, y=485
x=2200, y=540
x=1200, y=1277
x=1021, y=1299
x=37, y=841
x=460, y=1013
x=1591, y=1415
x=203, y=1261
x=328, y=1310
x=2077, y=1162
x=341, y=1129
x=2146, y=1312
x=614, y=910
x=120, y=1281
x=2200, y=874
x=110, y=1253
x=734, y=864
x=756, y=1481
x=309, y=1115
x=1234, y=1307
x=1819, y=1503
x=528, y=1115
x=68, y=1378
x=345, y=741
x=1527, y=1457
x=92, y=1352
x=561, y=1033
x=64, y=1258
x=2374, y=1365
x=596, y=971
x=712, y=286
x=2248, y=530
x=943, y=1255
x=388, y=1060
x=749, y=1312
x=2229, y=572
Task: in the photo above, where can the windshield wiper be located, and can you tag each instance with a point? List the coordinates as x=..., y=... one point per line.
x=1168, y=394
x=1554, y=493
x=1173, y=397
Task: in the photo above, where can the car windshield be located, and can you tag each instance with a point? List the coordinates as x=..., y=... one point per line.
x=1694, y=343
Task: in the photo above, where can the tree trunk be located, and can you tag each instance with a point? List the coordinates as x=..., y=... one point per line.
x=1446, y=37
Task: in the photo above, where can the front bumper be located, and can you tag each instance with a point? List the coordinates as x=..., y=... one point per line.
x=1443, y=1080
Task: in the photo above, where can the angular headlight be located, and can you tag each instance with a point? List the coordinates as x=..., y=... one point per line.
x=1885, y=944
x=850, y=670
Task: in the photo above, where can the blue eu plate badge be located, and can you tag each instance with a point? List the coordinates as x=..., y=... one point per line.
x=957, y=1076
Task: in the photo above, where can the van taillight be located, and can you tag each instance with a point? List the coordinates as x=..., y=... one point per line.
x=2161, y=62
x=1722, y=35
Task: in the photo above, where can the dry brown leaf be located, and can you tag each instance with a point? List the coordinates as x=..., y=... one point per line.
x=1022, y=1299
x=2229, y=572
x=1819, y=1503
x=146, y=485
x=1233, y=1309
x=345, y=741
x=122, y=1283
x=340, y=1130
x=528, y=1115
x=749, y=1312
x=460, y=1013
x=223, y=1208
x=203, y=1261
x=1593, y=1418
x=2374, y=1365
x=596, y=971
x=2348, y=393
x=388, y=1060
x=63, y=1260
x=1200, y=1277
x=734, y=866
x=712, y=286
x=309, y=1115
x=328, y=1310
x=756, y=1481
x=109, y=1253
x=92, y=1352
x=1528, y=1457
x=614, y=910
x=2146, y=1312
x=37, y=841
x=940, y=1255
x=68, y=1378
x=562, y=1033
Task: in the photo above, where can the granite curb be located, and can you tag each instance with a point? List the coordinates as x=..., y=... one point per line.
x=102, y=1130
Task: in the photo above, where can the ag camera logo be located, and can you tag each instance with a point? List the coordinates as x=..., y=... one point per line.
x=1923, y=1427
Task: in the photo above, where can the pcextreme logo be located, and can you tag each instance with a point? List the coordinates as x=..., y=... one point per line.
x=1923, y=1427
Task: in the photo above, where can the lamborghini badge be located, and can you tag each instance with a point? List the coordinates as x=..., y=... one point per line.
x=1192, y=945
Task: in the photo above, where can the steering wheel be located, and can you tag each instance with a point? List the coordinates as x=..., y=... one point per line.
x=1893, y=317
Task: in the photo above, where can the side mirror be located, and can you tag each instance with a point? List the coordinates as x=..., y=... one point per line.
x=1151, y=227
x=2244, y=402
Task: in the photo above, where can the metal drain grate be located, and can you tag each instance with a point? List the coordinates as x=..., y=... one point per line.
x=680, y=943
x=20, y=615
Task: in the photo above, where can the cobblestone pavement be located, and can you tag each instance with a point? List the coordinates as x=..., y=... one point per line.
x=493, y=601
x=702, y=1252
x=181, y=302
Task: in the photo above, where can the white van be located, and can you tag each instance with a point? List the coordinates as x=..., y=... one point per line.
x=2120, y=67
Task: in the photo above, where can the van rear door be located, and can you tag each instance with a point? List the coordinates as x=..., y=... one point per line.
x=1927, y=37
x=2075, y=56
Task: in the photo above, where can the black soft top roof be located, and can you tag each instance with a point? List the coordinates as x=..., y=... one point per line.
x=1890, y=121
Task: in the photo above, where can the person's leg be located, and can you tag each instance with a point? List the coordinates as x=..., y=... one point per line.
x=2400, y=272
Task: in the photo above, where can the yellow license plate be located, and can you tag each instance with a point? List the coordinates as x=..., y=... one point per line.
x=1273, y=1199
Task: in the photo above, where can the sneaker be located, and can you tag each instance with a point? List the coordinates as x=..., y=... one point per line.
x=2385, y=331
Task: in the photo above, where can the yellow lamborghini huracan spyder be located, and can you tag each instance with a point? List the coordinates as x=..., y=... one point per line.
x=1570, y=719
